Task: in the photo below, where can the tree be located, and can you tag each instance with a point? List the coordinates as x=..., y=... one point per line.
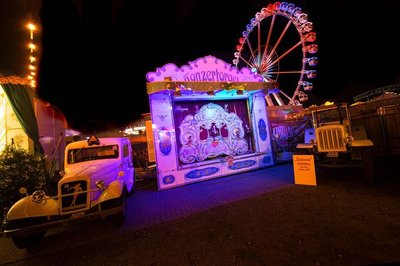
x=20, y=168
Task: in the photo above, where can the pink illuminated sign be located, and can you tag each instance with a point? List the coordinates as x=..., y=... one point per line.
x=207, y=69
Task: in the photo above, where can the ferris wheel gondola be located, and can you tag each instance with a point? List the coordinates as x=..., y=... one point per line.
x=279, y=45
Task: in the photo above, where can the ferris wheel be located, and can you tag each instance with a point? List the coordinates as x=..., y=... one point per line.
x=279, y=45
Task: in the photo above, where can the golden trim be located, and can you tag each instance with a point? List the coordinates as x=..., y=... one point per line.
x=158, y=86
x=14, y=80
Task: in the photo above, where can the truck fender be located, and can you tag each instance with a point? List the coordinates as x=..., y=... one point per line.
x=362, y=143
x=360, y=137
x=113, y=190
x=26, y=208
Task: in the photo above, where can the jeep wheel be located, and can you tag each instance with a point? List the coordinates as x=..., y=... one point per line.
x=29, y=241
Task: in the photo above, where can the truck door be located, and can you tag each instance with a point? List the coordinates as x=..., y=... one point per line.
x=128, y=168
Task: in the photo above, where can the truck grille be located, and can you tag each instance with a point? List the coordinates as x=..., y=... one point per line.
x=74, y=196
x=330, y=138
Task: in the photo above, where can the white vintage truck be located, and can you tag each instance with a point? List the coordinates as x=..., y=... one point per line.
x=335, y=141
x=99, y=174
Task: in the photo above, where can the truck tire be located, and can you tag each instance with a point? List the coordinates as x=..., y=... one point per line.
x=118, y=219
x=29, y=241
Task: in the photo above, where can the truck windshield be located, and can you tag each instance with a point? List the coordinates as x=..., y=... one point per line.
x=334, y=115
x=92, y=153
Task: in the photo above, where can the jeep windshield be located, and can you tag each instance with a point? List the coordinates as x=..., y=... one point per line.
x=93, y=153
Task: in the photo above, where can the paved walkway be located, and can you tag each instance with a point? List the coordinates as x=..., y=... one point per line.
x=149, y=206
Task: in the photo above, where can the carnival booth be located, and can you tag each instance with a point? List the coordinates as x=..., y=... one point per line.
x=30, y=123
x=209, y=120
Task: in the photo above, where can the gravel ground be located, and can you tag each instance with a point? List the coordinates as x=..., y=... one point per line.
x=341, y=221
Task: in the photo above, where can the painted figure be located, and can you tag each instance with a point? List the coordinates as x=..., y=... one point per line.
x=76, y=189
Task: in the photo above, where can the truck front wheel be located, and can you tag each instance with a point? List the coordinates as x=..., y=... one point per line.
x=29, y=241
x=118, y=219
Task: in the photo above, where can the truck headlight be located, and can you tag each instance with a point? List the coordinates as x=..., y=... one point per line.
x=349, y=139
x=23, y=191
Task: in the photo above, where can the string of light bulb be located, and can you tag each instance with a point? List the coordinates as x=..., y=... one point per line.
x=32, y=67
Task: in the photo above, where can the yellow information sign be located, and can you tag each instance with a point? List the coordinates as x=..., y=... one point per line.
x=304, y=170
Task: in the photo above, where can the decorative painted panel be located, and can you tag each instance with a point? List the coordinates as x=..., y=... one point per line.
x=164, y=137
x=262, y=129
x=261, y=124
x=242, y=164
x=267, y=160
x=202, y=172
x=168, y=179
x=163, y=132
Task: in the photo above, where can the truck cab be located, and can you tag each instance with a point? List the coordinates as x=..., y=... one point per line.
x=334, y=140
x=99, y=174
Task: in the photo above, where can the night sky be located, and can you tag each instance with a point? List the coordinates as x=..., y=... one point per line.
x=89, y=46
